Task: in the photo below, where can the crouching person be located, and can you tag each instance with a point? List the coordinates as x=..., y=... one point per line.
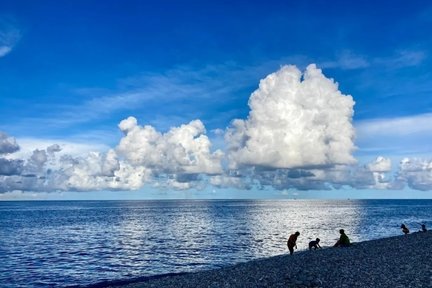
x=314, y=244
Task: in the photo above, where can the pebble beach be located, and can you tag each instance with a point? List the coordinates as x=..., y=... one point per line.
x=400, y=261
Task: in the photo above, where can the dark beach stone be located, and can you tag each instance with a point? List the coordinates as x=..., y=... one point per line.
x=402, y=261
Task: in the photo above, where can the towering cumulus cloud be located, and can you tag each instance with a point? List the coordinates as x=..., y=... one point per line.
x=296, y=120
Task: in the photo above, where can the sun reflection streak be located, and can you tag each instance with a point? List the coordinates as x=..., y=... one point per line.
x=85, y=242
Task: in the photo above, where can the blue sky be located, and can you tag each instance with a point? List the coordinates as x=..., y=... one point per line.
x=71, y=71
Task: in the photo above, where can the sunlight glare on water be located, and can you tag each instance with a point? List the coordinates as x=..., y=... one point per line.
x=70, y=243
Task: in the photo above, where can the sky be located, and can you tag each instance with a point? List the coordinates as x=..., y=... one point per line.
x=215, y=99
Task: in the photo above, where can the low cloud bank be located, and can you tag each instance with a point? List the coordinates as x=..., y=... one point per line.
x=298, y=134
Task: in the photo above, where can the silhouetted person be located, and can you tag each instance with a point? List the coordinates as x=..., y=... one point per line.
x=343, y=240
x=291, y=243
x=314, y=244
x=405, y=229
x=423, y=229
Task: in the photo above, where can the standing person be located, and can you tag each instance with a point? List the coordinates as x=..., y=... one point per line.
x=405, y=229
x=291, y=243
x=343, y=240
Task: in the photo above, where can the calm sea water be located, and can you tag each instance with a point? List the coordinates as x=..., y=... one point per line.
x=58, y=244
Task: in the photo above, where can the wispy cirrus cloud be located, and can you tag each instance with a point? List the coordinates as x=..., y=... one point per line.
x=408, y=135
x=4, y=50
x=350, y=60
x=402, y=58
x=401, y=126
x=9, y=35
x=162, y=99
x=347, y=60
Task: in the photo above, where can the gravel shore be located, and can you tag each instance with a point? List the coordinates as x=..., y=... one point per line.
x=401, y=261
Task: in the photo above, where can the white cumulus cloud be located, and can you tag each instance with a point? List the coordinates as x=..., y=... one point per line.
x=7, y=144
x=381, y=164
x=98, y=171
x=416, y=173
x=145, y=156
x=296, y=120
x=183, y=150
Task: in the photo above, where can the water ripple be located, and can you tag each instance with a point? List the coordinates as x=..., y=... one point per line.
x=58, y=244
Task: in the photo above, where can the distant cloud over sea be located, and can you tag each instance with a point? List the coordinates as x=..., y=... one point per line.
x=299, y=134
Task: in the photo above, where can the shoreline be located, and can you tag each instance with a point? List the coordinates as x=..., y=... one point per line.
x=398, y=261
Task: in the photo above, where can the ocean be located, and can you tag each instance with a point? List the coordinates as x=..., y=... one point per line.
x=80, y=243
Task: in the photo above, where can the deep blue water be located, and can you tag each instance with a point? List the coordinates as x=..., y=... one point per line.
x=57, y=244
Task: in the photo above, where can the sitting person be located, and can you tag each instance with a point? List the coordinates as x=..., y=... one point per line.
x=343, y=240
x=423, y=228
x=314, y=244
x=405, y=229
